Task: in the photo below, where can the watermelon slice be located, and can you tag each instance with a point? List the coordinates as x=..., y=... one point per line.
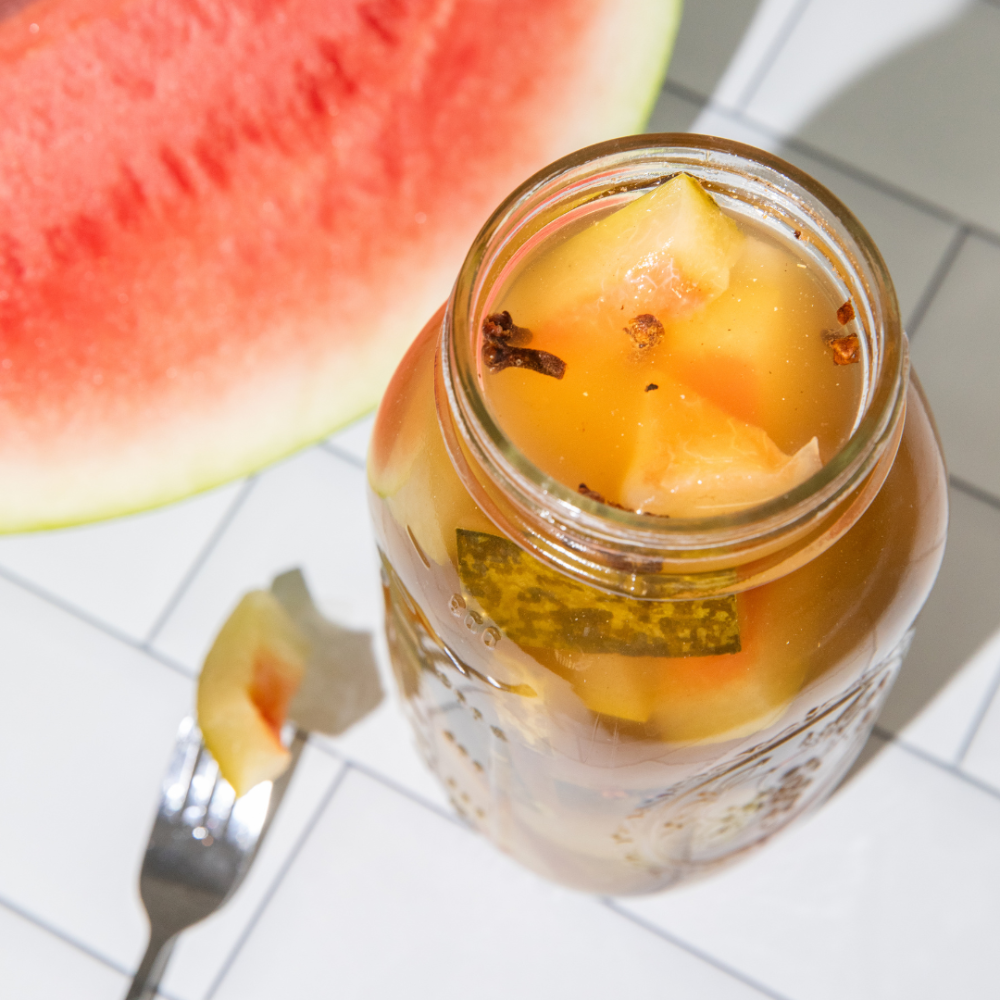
x=221, y=221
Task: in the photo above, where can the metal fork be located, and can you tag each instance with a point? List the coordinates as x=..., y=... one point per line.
x=203, y=842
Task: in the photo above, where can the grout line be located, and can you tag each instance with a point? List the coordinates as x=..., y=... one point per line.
x=171, y=664
x=207, y=549
x=937, y=279
x=981, y=232
x=160, y=991
x=615, y=907
x=344, y=456
x=976, y=492
x=63, y=936
x=773, y=51
x=686, y=93
x=389, y=783
x=88, y=619
x=278, y=879
x=872, y=181
x=977, y=721
x=941, y=765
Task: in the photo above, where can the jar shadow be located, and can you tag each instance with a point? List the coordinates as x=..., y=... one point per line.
x=910, y=134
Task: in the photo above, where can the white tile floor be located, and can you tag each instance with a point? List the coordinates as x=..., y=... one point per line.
x=365, y=887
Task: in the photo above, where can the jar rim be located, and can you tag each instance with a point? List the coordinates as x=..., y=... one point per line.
x=555, y=522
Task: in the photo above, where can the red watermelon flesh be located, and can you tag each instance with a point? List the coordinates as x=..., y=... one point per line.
x=222, y=221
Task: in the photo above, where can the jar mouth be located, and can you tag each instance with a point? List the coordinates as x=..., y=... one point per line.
x=563, y=527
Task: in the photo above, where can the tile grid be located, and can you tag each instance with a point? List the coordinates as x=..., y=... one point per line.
x=977, y=721
x=344, y=456
x=190, y=576
x=963, y=230
x=66, y=939
x=452, y=818
x=772, y=52
x=937, y=279
x=148, y=648
x=705, y=956
x=276, y=883
x=887, y=737
x=200, y=559
x=863, y=176
x=976, y=492
x=942, y=765
x=335, y=785
x=393, y=786
x=43, y=593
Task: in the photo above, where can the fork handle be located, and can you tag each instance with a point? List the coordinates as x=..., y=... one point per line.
x=150, y=971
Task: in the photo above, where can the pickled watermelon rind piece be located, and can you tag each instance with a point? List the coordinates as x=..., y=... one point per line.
x=667, y=254
x=277, y=659
x=691, y=671
x=537, y=607
x=249, y=677
x=692, y=459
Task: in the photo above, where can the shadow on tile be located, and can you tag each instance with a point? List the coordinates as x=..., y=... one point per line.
x=917, y=121
x=957, y=352
x=872, y=748
x=962, y=613
x=942, y=686
x=710, y=33
x=921, y=118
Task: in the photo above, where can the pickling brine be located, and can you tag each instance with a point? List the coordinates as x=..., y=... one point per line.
x=657, y=502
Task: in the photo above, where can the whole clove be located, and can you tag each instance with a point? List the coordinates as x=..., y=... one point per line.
x=584, y=490
x=499, y=328
x=502, y=341
x=645, y=330
x=845, y=350
x=845, y=313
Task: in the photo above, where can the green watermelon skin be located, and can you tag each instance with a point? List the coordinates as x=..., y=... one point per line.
x=222, y=221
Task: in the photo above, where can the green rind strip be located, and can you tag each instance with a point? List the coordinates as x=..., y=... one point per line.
x=537, y=607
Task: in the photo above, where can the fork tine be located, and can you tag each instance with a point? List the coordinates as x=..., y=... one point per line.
x=248, y=815
x=177, y=780
x=202, y=786
x=202, y=844
x=220, y=808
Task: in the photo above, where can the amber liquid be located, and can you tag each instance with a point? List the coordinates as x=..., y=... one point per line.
x=759, y=352
x=620, y=773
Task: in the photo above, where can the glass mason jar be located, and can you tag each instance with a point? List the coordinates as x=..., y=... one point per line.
x=475, y=540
